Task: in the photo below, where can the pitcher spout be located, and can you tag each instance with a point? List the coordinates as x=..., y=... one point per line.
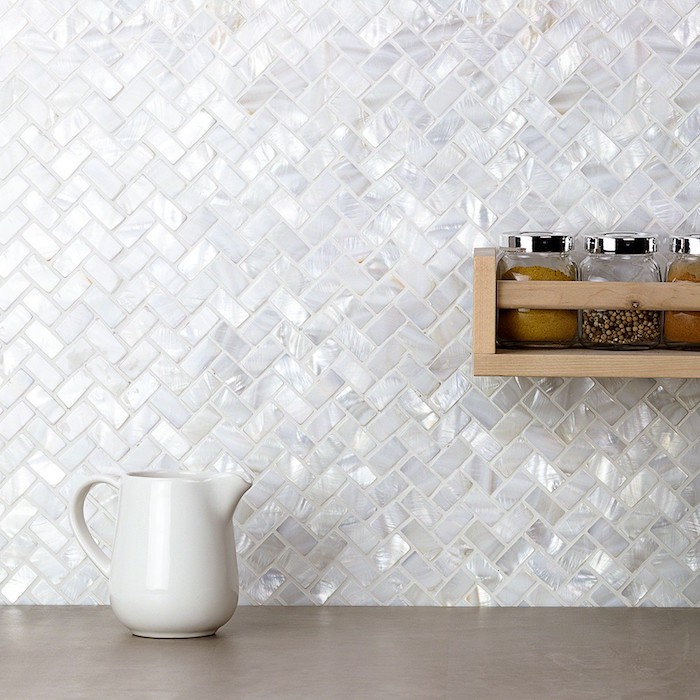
x=226, y=492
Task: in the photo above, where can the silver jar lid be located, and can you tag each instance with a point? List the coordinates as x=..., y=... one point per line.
x=686, y=244
x=625, y=243
x=539, y=242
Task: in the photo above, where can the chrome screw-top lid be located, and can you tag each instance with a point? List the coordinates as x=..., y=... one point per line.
x=625, y=243
x=539, y=242
x=686, y=244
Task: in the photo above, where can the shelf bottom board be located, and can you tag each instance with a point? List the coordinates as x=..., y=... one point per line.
x=577, y=362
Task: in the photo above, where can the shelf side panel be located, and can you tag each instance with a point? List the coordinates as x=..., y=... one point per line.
x=484, y=316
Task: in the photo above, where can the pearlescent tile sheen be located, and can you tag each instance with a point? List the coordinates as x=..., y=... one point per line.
x=242, y=235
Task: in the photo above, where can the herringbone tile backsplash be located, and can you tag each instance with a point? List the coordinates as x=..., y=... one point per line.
x=240, y=233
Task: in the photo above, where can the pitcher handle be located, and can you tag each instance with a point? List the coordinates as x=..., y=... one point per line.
x=80, y=528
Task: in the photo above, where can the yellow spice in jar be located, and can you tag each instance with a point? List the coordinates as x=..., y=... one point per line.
x=537, y=325
x=683, y=327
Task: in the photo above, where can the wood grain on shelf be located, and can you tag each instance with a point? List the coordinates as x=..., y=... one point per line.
x=673, y=296
x=577, y=362
x=484, y=317
x=488, y=360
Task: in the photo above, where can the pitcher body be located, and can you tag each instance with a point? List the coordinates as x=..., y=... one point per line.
x=173, y=571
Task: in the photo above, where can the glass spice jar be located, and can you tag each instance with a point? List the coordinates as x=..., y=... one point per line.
x=682, y=328
x=537, y=256
x=620, y=257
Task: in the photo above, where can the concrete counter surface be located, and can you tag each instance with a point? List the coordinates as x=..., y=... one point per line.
x=334, y=653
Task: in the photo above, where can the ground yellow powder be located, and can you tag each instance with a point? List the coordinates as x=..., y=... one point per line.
x=549, y=326
x=535, y=273
x=682, y=326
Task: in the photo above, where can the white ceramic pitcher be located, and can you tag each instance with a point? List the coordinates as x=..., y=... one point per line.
x=173, y=571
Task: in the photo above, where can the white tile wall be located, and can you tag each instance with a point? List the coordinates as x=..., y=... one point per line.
x=241, y=232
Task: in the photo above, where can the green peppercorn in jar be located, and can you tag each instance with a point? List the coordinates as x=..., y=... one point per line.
x=620, y=257
x=529, y=257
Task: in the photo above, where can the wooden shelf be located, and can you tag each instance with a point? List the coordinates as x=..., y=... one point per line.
x=490, y=295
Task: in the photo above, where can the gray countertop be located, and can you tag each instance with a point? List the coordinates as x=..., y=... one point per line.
x=358, y=653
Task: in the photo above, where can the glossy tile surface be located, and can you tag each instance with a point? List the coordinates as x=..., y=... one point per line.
x=241, y=232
